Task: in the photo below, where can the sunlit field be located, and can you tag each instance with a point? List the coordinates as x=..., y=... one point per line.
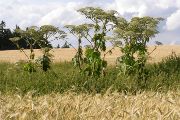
x=67, y=54
x=71, y=106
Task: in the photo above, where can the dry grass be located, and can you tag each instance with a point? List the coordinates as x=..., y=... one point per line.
x=69, y=106
x=67, y=54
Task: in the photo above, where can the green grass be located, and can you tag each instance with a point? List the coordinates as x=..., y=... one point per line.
x=163, y=76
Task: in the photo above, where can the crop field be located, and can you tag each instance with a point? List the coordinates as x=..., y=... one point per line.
x=69, y=106
x=66, y=54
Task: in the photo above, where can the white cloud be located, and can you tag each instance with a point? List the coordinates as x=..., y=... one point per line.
x=60, y=12
x=62, y=15
x=165, y=4
x=173, y=21
x=161, y=8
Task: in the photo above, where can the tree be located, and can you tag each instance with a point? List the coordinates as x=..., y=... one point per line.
x=66, y=45
x=3, y=23
x=5, y=34
x=58, y=46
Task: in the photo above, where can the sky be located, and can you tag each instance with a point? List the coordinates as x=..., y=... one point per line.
x=26, y=13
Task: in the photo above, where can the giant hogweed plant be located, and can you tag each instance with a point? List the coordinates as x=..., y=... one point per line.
x=29, y=36
x=48, y=32
x=91, y=61
x=135, y=35
x=80, y=32
x=38, y=36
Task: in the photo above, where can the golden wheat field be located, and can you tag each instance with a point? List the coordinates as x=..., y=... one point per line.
x=69, y=106
x=67, y=54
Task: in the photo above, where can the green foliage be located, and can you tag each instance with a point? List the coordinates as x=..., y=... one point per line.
x=95, y=64
x=30, y=67
x=80, y=32
x=5, y=34
x=45, y=60
x=35, y=35
x=95, y=34
x=78, y=58
x=132, y=38
x=163, y=76
x=168, y=65
x=135, y=35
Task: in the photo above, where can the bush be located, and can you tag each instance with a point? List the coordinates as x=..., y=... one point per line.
x=169, y=65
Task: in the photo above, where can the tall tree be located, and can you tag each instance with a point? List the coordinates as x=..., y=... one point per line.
x=5, y=34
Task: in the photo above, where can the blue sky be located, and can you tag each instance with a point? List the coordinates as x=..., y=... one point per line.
x=61, y=12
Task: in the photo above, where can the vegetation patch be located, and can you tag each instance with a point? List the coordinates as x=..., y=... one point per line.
x=162, y=77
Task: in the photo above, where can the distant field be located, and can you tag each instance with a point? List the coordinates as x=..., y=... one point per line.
x=68, y=53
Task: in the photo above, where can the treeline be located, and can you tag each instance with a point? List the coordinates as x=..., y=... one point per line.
x=6, y=34
x=7, y=44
